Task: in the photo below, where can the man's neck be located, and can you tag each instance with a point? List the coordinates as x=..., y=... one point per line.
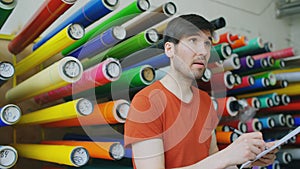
x=179, y=86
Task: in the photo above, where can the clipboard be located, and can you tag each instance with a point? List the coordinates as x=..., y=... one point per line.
x=277, y=143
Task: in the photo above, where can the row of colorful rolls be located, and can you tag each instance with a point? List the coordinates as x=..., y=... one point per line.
x=266, y=84
x=68, y=76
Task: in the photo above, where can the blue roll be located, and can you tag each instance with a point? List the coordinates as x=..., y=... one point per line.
x=78, y=137
x=85, y=16
x=297, y=121
x=267, y=122
x=100, y=43
x=156, y=62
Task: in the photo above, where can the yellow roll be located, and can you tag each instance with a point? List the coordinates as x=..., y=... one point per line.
x=61, y=40
x=290, y=90
x=59, y=112
x=286, y=70
x=65, y=71
x=61, y=154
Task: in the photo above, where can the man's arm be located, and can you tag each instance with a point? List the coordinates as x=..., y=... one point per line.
x=150, y=153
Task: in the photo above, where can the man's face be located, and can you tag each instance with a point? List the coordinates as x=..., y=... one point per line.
x=192, y=53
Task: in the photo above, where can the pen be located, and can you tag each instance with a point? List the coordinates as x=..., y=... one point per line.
x=236, y=130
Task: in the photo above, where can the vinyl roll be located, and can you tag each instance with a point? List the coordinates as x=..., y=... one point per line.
x=271, y=76
x=273, y=96
x=10, y=114
x=136, y=77
x=278, y=85
x=279, y=119
x=290, y=122
x=39, y=22
x=275, y=165
x=265, y=102
x=61, y=73
x=284, y=99
x=236, y=124
x=103, y=150
x=253, y=45
x=105, y=72
x=284, y=157
x=131, y=45
x=279, y=54
x=295, y=152
x=291, y=90
x=293, y=106
x=267, y=122
x=242, y=41
x=228, y=106
x=259, y=84
x=111, y=112
x=218, y=83
x=254, y=102
x=234, y=37
x=231, y=63
x=61, y=154
x=291, y=77
x=297, y=121
x=246, y=82
x=226, y=137
x=85, y=16
x=253, y=125
x=218, y=23
x=5, y=10
x=223, y=50
x=247, y=64
x=68, y=110
x=97, y=138
x=226, y=38
x=7, y=71
x=267, y=47
x=100, y=43
x=127, y=13
x=9, y=157
x=53, y=46
x=150, y=18
x=156, y=62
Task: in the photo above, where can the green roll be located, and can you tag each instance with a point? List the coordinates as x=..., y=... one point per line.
x=127, y=13
x=223, y=50
x=131, y=45
x=271, y=76
x=253, y=45
x=264, y=98
x=6, y=8
x=265, y=102
x=279, y=64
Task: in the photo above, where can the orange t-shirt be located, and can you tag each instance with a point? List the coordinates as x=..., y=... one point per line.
x=185, y=128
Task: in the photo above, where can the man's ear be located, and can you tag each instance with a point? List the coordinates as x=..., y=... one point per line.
x=169, y=49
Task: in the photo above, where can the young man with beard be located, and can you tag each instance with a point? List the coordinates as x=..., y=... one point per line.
x=171, y=122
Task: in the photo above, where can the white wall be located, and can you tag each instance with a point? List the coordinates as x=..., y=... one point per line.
x=251, y=18
x=295, y=33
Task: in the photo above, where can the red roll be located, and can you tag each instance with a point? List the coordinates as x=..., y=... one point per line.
x=283, y=53
x=225, y=38
x=242, y=41
x=39, y=22
x=228, y=106
x=246, y=82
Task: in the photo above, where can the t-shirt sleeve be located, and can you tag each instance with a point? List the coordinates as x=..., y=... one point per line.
x=143, y=121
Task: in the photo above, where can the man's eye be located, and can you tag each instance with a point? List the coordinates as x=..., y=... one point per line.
x=193, y=40
x=208, y=43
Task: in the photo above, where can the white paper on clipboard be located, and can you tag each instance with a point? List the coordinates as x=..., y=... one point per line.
x=277, y=143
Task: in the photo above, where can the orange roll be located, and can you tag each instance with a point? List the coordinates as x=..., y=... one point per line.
x=242, y=41
x=111, y=112
x=226, y=137
x=103, y=150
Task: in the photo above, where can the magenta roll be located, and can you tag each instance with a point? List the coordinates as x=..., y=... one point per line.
x=283, y=53
x=103, y=73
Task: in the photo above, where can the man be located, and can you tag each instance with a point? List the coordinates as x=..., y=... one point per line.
x=171, y=123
